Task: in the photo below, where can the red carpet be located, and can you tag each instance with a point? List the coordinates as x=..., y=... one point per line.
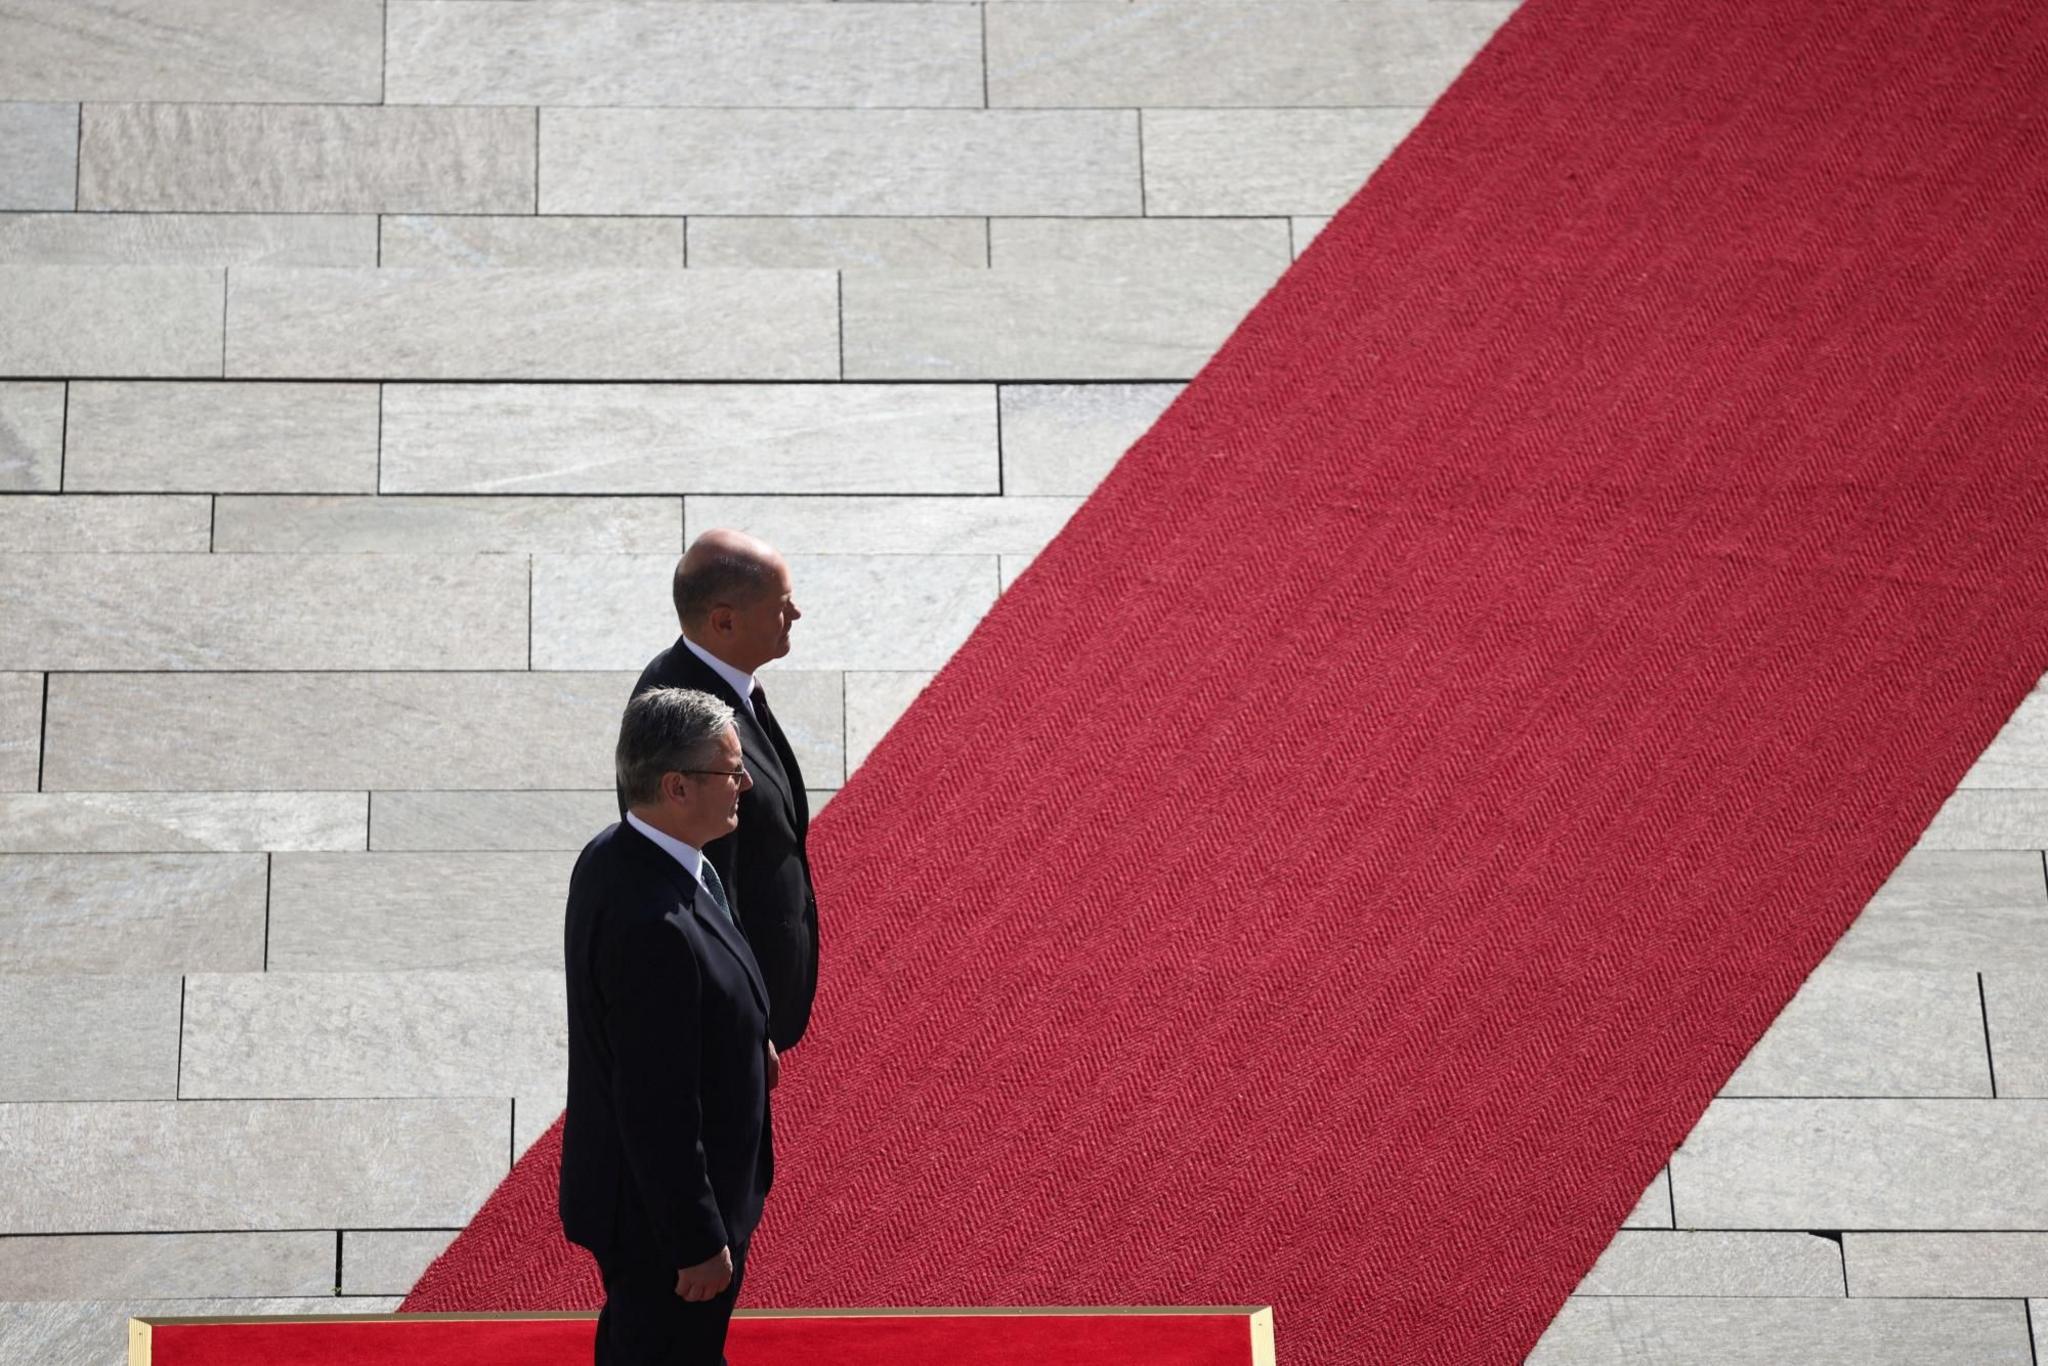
x=1344, y=867
x=1194, y=1338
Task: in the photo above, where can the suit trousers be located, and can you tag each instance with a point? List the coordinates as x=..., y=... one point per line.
x=644, y=1323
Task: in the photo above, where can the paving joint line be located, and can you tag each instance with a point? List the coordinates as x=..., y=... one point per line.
x=178, y=1073
x=268, y=860
x=1984, y=1015
x=43, y=733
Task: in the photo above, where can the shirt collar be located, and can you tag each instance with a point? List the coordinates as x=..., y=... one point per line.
x=690, y=858
x=743, y=684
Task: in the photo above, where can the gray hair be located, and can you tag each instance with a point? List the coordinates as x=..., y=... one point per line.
x=666, y=730
x=718, y=577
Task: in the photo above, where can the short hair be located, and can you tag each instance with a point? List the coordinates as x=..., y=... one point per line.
x=666, y=730
x=720, y=576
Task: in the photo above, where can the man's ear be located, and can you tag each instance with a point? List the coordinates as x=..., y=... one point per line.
x=719, y=619
x=674, y=787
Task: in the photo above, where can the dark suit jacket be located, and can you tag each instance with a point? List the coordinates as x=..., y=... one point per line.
x=766, y=870
x=667, y=1146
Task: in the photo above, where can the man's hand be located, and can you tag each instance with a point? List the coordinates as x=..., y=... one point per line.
x=774, y=1065
x=706, y=1280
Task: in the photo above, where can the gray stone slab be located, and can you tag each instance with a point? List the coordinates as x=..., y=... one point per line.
x=241, y=51
x=1684, y=1262
x=874, y=702
x=376, y=1262
x=1069, y=323
x=640, y=438
x=110, y=320
x=398, y=525
x=263, y=612
x=485, y=821
x=831, y=162
x=131, y=913
x=473, y=913
x=31, y=436
x=534, y=1115
x=21, y=731
x=1197, y=246
x=1264, y=161
x=1620, y=1331
x=884, y=525
x=1223, y=53
x=1990, y=818
x=216, y=438
x=250, y=731
x=2017, y=756
x=1954, y=910
x=213, y=240
x=76, y=524
x=1855, y=1031
x=1961, y=880
x=1947, y=1265
x=1306, y=230
x=38, y=156
x=1865, y=1164
x=2016, y=1016
x=613, y=611
x=95, y=1332
x=1654, y=1209
x=180, y=822
x=227, y=158
x=530, y=324
x=225, y=1166
x=285, y=1035
x=86, y=1038
x=530, y=242
x=167, y=1265
x=569, y=52
x=838, y=243
x=1063, y=438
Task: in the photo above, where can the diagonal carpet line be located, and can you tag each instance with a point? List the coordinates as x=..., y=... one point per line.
x=1347, y=862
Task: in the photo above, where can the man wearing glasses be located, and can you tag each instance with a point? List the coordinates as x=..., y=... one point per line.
x=734, y=601
x=666, y=1155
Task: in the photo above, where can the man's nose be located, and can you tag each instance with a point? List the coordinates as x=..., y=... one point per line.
x=746, y=781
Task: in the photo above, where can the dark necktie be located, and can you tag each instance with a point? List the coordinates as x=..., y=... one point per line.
x=716, y=888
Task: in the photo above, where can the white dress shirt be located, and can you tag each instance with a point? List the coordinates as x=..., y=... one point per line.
x=743, y=684
x=691, y=858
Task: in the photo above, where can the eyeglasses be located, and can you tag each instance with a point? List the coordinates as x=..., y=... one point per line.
x=733, y=773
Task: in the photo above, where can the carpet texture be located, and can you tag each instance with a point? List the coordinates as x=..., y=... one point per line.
x=1344, y=866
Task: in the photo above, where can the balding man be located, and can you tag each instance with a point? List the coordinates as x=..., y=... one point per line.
x=735, y=603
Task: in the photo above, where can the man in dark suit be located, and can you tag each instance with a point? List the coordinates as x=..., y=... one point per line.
x=734, y=601
x=667, y=1154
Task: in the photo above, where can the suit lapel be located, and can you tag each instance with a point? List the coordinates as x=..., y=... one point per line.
x=695, y=901
x=763, y=758
x=799, y=800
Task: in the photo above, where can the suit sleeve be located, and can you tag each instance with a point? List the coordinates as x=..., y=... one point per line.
x=652, y=996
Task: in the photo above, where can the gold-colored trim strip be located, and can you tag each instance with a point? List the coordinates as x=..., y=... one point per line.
x=1260, y=1319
